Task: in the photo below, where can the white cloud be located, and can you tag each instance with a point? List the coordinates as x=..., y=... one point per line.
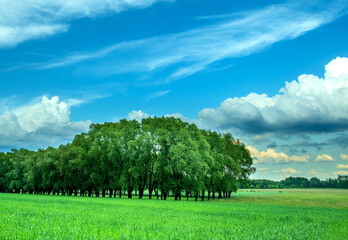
x=197, y=49
x=337, y=67
x=342, y=166
x=40, y=124
x=138, y=115
x=28, y=19
x=271, y=156
x=11, y=36
x=344, y=156
x=310, y=104
x=324, y=158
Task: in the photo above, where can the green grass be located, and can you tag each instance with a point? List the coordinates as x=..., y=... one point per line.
x=271, y=214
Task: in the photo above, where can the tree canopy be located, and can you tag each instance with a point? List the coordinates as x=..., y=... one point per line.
x=158, y=156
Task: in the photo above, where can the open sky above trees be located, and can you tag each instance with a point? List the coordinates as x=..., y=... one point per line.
x=274, y=74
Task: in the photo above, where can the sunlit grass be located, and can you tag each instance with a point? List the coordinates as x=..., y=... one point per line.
x=248, y=215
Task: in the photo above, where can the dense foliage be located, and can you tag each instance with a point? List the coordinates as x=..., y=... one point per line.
x=157, y=156
x=298, y=182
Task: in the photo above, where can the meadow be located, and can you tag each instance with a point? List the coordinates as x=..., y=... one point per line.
x=249, y=214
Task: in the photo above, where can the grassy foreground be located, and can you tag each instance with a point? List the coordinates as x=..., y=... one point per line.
x=267, y=214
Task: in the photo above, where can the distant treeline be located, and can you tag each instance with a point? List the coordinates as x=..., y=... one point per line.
x=298, y=182
x=159, y=155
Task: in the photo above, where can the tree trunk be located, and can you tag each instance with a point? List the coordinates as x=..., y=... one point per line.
x=120, y=193
x=103, y=192
x=141, y=192
x=196, y=197
x=150, y=191
x=203, y=192
x=208, y=195
x=75, y=192
x=110, y=192
x=130, y=190
x=220, y=195
x=213, y=195
x=89, y=192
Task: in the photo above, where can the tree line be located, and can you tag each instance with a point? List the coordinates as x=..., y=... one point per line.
x=157, y=156
x=298, y=182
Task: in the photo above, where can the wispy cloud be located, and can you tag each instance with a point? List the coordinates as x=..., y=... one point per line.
x=263, y=169
x=324, y=158
x=26, y=19
x=193, y=51
x=157, y=94
x=73, y=102
x=287, y=170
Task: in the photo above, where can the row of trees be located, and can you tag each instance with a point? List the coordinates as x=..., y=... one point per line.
x=298, y=182
x=159, y=156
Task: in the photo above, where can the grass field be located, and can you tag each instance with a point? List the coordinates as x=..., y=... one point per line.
x=250, y=214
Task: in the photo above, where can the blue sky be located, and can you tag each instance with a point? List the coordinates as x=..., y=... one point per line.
x=273, y=73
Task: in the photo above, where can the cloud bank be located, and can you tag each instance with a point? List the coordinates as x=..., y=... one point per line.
x=308, y=105
x=38, y=125
x=342, y=166
x=31, y=19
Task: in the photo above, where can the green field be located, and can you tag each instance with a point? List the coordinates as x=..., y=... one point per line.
x=250, y=214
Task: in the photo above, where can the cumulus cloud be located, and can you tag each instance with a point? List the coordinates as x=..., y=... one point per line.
x=308, y=105
x=344, y=156
x=192, y=51
x=40, y=124
x=138, y=115
x=342, y=166
x=324, y=158
x=27, y=19
x=271, y=156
